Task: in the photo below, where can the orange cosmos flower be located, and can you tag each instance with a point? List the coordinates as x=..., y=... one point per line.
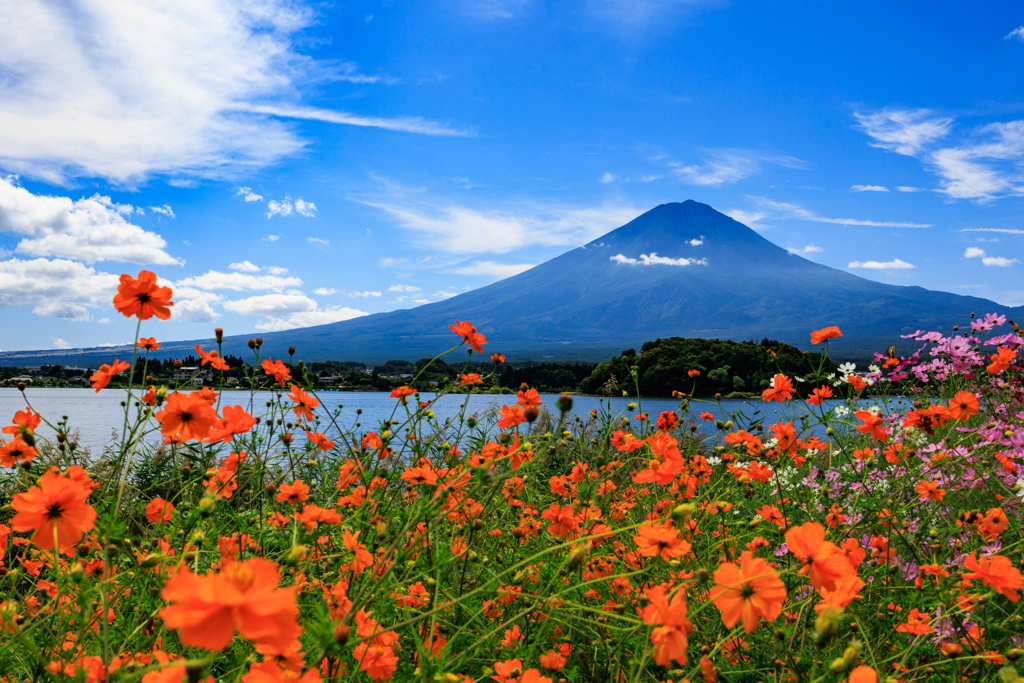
x=361, y=556
x=930, y=489
x=401, y=392
x=223, y=483
x=530, y=397
x=781, y=391
x=563, y=520
x=994, y=524
x=819, y=336
x=963, y=405
x=997, y=572
x=278, y=370
x=55, y=510
x=304, y=403
x=872, y=425
x=102, y=377
x=148, y=343
x=1001, y=360
x=142, y=298
x=17, y=451
x=320, y=441
x=846, y=591
x=749, y=592
x=863, y=674
x=159, y=511
x=186, y=417
x=469, y=335
x=497, y=358
x=669, y=637
x=917, y=623
x=24, y=421
x=243, y=597
x=471, y=378
x=511, y=416
x=693, y=373
x=213, y=358
x=824, y=563
x=660, y=539
x=294, y=493
x=233, y=420
x=819, y=395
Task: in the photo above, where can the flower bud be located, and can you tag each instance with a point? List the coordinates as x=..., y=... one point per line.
x=564, y=403
x=296, y=555
x=291, y=350
x=218, y=332
x=178, y=364
x=683, y=513
x=207, y=505
x=531, y=413
x=252, y=343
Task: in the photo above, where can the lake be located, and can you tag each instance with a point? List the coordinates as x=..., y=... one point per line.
x=96, y=415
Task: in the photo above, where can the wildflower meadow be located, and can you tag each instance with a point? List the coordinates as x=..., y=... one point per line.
x=867, y=538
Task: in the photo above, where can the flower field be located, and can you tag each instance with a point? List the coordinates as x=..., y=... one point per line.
x=874, y=539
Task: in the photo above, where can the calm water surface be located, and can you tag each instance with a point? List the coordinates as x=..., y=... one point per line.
x=97, y=415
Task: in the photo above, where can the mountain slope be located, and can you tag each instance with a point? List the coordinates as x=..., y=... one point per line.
x=600, y=298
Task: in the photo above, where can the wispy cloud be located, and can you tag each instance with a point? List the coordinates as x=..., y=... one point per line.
x=809, y=249
x=318, y=240
x=1005, y=231
x=1017, y=33
x=492, y=269
x=404, y=124
x=494, y=9
x=895, y=264
x=751, y=219
x=403, y=288
x=904, y=131
x=789, y=210
x=729, y=166
x=869, y=188
x=997, y=261
x=364, y=294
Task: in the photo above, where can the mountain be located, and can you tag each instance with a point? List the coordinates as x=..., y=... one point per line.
x=679, y=270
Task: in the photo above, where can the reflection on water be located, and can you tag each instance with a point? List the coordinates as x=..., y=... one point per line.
x=98, y=416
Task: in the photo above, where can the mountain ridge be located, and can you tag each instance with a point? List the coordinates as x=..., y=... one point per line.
x=667, y=273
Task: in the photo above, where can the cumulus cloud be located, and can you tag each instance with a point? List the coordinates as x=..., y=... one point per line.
x=461, y=230
x=214, y=280
x=324, y=291
x=248, y=195
x=277, y=270
x=488, y=268
x=318, y=316
x=445, y=295
x=997, y=261
x=43, y=282
x=88, y=229
x=895, y=264
x=809, y=249
x=869, y=188
x=696, y=242
x=403, y=288
x=126, y=91
x=245, y=267
x=364, y=294
x=608, y=178
x=272, y=304
x=654, y=260
x=286, y=207
x=60, y=343
x=272, y=238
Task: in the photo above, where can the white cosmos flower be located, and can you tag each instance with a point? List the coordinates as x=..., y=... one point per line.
x=842, y=411
x=847, y=368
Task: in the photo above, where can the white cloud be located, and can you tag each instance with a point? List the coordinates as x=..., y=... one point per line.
x=272, y=304
x=60, y=343
x=247, y=194
x=195, y=311
x=421, y=301
x=403, y=288
x=869, y=188
x=904, y=131
x=443, y=294
x=389, y=261
x=126, y=90
x=458, y=229
x=364, y=294
x=729, y=166
x=317, y=240
x=277, y=270
x=798, y=212
x=654, y=260
x=1017, y=33
x=1006, y=231
x=488, y=268
x=751, y=219
x=272, y=238
x=907, y=188
x=89, y=229
x=320, y=316
x=165, y=210
x=494, y=9
x=696, y=242
x=997, y=261
x=245, y=267
x=895, y=264
x=307, y=209
x=43, y=282
x=608, y=178
x=213, y=279
x=103, y=321
x=324, y=291
x=809, y=249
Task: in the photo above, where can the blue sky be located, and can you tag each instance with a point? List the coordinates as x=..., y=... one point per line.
x=283, y=164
